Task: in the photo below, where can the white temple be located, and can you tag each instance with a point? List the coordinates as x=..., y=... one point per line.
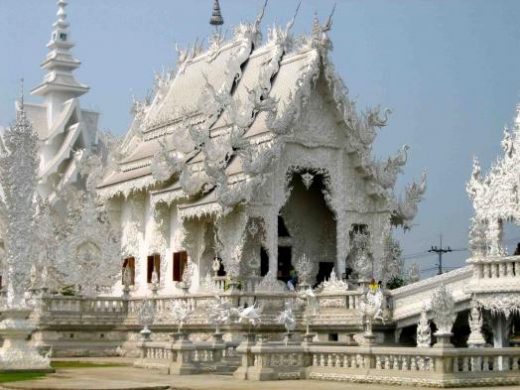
x=248, y=171
x=233, y=147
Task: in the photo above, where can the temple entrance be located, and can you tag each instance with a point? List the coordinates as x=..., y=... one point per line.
x=306, y=226
x=324, y=270
x=284, y=263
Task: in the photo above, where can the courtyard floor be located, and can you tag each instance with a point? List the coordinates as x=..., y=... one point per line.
x=122, y=378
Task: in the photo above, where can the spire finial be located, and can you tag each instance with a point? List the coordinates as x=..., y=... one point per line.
x=216, y=16
x=291, y=22
x=62, y=15
x=260, y=16
x=328, y=25
x=21, y=94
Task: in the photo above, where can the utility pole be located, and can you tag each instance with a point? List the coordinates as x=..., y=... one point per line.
x=440, y=251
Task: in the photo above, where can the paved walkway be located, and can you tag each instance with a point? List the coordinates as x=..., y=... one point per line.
x=130, y=378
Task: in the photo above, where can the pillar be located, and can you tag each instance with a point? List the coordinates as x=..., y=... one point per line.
x=271, y=240
x=501, y=337
x=341, y=243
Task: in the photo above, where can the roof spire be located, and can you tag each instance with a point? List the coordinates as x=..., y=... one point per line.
x=216, y=16
x=21, y=94
x=59, y=63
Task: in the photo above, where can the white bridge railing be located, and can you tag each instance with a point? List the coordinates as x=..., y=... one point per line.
x=399, y=365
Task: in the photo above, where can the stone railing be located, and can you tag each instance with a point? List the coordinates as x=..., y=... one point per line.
x=407, y=302
x=341, y=307
x=496, y=267
x=439, y=367
x=80, y=310
x=419, y=366
x=184, y=357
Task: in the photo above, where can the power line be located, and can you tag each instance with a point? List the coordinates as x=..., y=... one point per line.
x=440, y=251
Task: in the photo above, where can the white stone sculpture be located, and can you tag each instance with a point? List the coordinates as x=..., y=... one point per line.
x=270, y=283
x=361, y=257
x=407, y=205
x=221, y=312
x=187, y=275
x=392, y=264
x=311, y=307
x=413, y=274
x=372, y=307
x=424, y=332
x=251, y=315
x=91, y=252
x=478, y=243
x=286, y=317
x=333, y=284
x=146, y=315
x=476, y=320
x=305, y=271
x=499, y=187
x=18, y=175
x=180, y=313
x=443, y=312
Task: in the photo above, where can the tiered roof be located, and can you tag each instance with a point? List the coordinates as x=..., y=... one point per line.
x=215, y=125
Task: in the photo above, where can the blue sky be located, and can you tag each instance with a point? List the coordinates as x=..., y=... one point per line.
x=449, y=70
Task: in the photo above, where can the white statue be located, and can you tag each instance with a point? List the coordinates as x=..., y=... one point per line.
x=180, y=313
x=443, y=312
x=333, y=284
x=424, y=333
x=372, y=307
x=361, y=259
x=476, y=320
x=250, y=314
x=286, y=317
x=304, y=270
x=146, y=316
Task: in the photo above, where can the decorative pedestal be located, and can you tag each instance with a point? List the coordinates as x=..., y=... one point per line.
x=182, y=351
x=308, y=338
x=247, y=358
x=369, y=339
x=443, y=340
x=17, y=353
x=287, y=337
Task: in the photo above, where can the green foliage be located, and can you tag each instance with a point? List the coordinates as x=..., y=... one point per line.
x=396, y=282
x=19, y=376
x=82, y=364
x=68, y=291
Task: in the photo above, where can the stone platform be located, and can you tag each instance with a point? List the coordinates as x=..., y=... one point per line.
x=129, y=378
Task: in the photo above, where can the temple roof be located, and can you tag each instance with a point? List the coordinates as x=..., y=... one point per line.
x=240, y=92
x=502, y=184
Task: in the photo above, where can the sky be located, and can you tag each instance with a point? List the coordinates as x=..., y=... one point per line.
x=448, y=69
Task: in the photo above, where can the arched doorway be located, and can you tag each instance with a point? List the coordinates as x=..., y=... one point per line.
x=307, y=226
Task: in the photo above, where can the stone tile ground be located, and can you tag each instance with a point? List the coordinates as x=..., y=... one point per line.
x=123, y=378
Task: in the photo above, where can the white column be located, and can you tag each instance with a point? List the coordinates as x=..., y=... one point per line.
x=341, y=243
x=271, y=240
x=501, y=336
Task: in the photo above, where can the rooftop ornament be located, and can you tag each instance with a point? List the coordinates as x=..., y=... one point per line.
x=216, y=16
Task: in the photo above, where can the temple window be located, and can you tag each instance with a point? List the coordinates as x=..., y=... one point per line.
x=358, y=228
x=129, y=263
x=63, y=36
x=264, y=262
x=153, y=262
x=282, y=229
x=180, y=260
